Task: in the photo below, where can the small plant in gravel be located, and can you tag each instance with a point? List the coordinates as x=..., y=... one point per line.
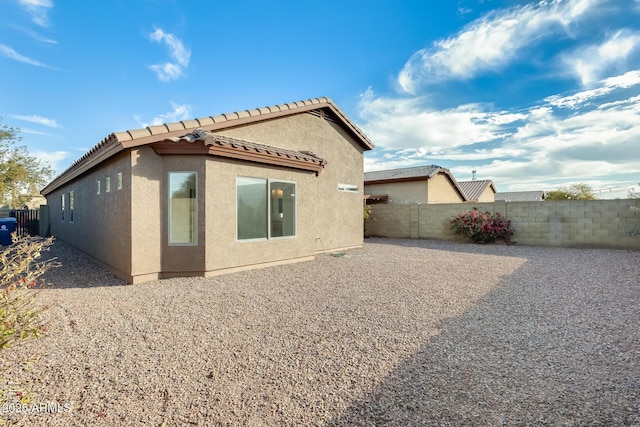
x=20, y=270
x=482, y=227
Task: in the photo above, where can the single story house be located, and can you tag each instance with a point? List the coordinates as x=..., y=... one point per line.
x=478, y=190
x=520, y=196
x=216, y=194
x=421, y=184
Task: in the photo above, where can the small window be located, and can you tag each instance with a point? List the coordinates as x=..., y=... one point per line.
x=107, y=184
x=183, y=208
x=71, y=202
x=62, y=206
x=350, y=188
x=98, y=187
x=119, y=181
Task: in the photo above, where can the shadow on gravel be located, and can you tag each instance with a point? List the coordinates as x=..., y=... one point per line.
x=555, y=343
x=77, y=270
x=499, y=248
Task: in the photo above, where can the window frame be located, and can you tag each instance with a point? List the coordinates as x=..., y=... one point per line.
x=169, y=216
x=268, y=182
x=348, y=188
x=71, y=203
x=62, y=206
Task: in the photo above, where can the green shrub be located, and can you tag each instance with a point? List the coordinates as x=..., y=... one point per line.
x=482, y=227
x=20, y=271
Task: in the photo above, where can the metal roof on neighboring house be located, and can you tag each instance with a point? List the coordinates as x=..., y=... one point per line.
x=404, y=173
x=118, y=141
x=474, y=189
x=519, y=196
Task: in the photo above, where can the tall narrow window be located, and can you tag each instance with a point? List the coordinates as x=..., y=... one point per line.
x=107, y=184
x=119, y=181
x=71, y=201
x=62, y=206
x=252, y=208
x=183, y=208
x=283, y=208
x=98, y=187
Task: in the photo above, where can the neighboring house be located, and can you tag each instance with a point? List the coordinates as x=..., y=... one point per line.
x=34, y=202
x=478, y=190
x=421, y=184
x=520, y=196
x=216, y=194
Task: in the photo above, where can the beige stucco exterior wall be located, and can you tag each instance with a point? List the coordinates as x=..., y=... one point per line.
x=223, y=249
x=127, y=229
x=337, y=216
x=441, y=190
x=488, y=195
x=101, y=224
x=400, y=192
x=437, y=189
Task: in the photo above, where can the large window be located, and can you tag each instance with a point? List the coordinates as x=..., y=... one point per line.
x=265, y=208
x=183, y=208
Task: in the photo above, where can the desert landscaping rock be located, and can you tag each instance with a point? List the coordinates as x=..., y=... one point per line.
x=400, y=332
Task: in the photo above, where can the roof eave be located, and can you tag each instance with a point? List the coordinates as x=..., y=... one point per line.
x=110, y=148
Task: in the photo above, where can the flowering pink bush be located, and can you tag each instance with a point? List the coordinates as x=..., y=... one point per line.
x=482, y=227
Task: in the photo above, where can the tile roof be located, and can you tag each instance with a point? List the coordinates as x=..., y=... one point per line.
x=474, y=189
x=412, y=174
x=119, y=141
x=226, y=146
x=404, y=173
x=239, y=117
x=520, y=196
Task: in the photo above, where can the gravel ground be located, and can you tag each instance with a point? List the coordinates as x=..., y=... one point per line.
x=400, y=332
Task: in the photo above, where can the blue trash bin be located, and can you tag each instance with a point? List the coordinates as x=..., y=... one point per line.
x=7, y=226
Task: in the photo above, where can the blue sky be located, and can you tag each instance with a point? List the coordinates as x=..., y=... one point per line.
x=534, y=95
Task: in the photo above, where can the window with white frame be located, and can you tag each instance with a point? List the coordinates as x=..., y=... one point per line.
x=183, y=208
x=119, y=181
x=107, y=184
x=349, y=188
x=265, y=208
x=71, y=203
x=62, y=206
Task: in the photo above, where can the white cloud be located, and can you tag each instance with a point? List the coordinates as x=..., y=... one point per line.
x=490, y=42
x=34, y=35
x=179, y=112
x=531, y=149
x=592, y=63
x=38, y=9
x=39, y=120
x=12, y=54
x=607, y=86
x=178, y=52
x=52, y=157
x=408, y=123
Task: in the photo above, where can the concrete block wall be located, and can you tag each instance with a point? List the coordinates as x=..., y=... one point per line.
x=390, y=221
x=569, y=223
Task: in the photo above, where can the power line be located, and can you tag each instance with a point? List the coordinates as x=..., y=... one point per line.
x=610, y=189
